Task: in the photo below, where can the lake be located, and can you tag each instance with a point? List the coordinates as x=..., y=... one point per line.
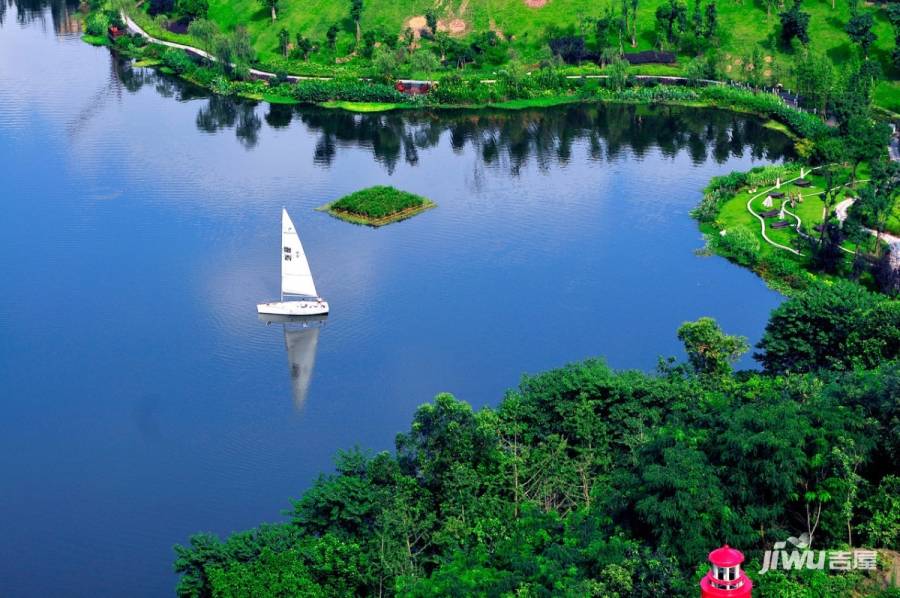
x=143, y=400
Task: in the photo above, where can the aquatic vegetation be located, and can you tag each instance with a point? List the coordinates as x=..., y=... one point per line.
x=378, y=205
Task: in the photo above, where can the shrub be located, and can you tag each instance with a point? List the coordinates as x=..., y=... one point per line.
x=802, y=123
x=196, y=9
x=177, y=60
x=767, y=175
x=96, y=23
x=782, y=269
x=617, y=74
x=349, y=90
x=161, y=6
x=738, y=244
x=569, y=48
x=379, y=202
x=719, y=190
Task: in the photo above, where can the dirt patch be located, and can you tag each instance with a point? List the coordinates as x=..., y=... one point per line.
x=767, y=73
x=455, y=27
x=417, y=24
x=536, y=3
x=492, y=25
x=768, y=59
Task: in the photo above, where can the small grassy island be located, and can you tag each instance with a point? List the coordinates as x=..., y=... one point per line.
x=378, y=205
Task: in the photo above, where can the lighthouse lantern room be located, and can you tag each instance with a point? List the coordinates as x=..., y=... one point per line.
x=725, y=578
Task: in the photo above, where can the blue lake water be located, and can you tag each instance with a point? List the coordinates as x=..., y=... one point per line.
x=142, y=399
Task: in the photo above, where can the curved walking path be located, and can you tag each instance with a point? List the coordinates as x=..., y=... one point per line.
x=762, y=220
x=893, y=241
x=840, y=212
x=133, y=27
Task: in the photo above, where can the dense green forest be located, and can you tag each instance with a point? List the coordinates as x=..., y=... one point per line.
x=586, y=481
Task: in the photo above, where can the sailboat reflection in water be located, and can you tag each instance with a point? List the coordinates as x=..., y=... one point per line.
x=301, y=339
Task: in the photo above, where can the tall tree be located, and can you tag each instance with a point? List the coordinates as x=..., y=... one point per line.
x=697, y=18
x=303, y=46
x=878, y=198
x=865, y=140
x=671, y=21
x=331, y=37
x=893, y=14
x=634, y=7
x=272, y=5
x=206, y=31
x=712, y=20
x=814, y=74
x=859, y=28
x=710, y=351
x=827, y=327
x=284, y=41
x=602, y=27
x=794, y=23
x=835, y=180
x=356, y=8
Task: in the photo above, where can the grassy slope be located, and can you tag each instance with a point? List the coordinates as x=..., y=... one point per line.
x=742, y=25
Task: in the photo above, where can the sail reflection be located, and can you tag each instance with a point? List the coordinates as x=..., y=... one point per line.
x=301, y=339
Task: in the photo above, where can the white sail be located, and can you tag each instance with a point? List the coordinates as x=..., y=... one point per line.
x=301, y=349
x=296, y=278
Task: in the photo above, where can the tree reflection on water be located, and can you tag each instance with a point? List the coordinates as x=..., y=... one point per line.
x=510, y=139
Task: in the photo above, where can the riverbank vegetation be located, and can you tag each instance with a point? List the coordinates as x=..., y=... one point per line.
x=590, y=482
x=802, y=46
x=792, y=235
x=792, y=223
x=378, y=205
x=548, y=86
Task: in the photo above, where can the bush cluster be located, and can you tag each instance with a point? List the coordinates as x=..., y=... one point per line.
x=739, y=244
x=347, y=90
x=719, y=190
x=802, y=123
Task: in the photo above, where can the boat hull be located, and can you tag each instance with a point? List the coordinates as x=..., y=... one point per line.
x=309, y=307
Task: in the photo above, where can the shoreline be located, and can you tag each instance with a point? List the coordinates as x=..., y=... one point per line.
x=663, y=90
x=354, y=218
x=657, y=81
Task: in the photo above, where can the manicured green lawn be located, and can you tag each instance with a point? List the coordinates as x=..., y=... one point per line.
x=379, y=205
x=734, y=214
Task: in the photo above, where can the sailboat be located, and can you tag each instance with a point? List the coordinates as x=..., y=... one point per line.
x=296, y=278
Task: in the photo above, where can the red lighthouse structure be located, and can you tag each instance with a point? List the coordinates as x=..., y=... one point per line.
x=725, y=578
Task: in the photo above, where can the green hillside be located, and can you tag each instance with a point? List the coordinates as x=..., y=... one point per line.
x=743, y=26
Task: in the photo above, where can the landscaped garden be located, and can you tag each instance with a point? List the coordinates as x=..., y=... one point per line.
x=792, y=224
x=378, y=205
